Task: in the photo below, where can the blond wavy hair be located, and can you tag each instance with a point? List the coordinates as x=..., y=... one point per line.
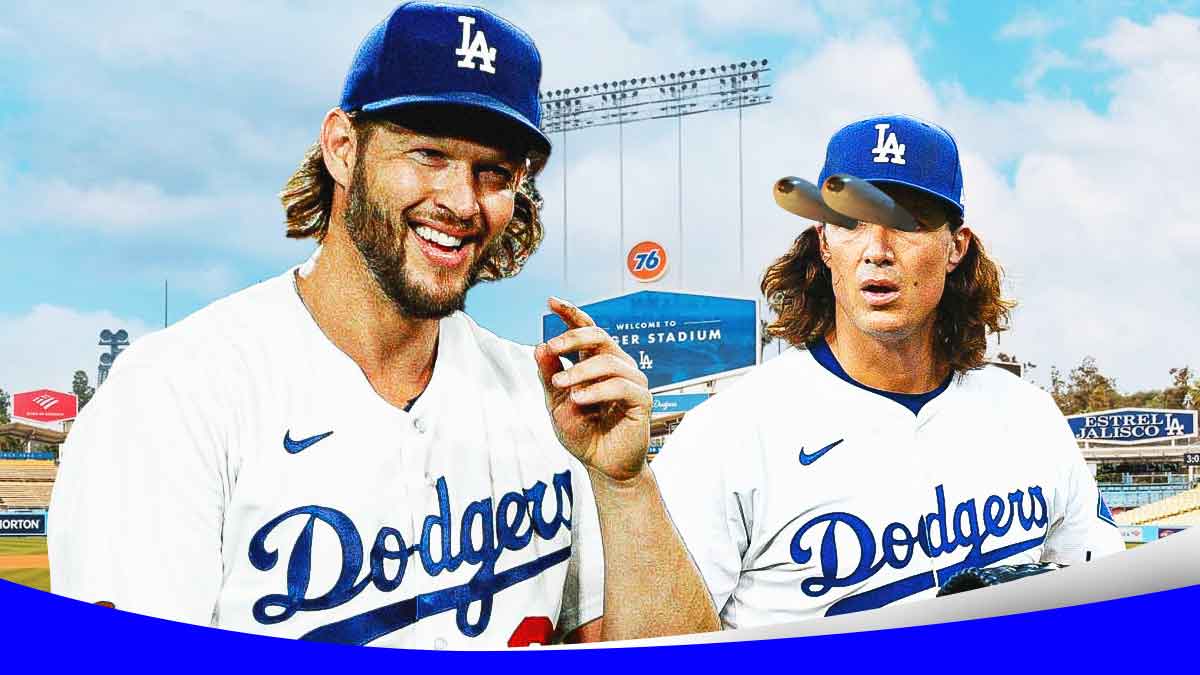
x=307, y=196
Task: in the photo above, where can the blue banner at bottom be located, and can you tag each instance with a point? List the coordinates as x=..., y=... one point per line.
x=1085, y=636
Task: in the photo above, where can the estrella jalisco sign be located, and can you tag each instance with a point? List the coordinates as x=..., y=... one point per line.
x=676, y=337
x=1133, y=425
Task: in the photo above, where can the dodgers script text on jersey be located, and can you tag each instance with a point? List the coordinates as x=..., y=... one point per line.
x=828, y=498
x=241, y=471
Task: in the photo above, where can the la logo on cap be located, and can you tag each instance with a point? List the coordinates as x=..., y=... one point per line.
x=890, y=150
x=475, y=48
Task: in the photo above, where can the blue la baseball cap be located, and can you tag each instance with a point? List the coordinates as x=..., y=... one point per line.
x=898, y=149
x=426, y=53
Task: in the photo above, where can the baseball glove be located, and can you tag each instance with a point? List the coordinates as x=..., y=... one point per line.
x=975, y=577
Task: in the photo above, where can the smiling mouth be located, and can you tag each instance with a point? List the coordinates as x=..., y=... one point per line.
x=441, y=249
x=439, y=239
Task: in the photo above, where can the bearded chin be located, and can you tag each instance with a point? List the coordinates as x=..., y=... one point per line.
x=381, y=242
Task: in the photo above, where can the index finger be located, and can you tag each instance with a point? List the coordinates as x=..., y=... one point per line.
x=570, y=314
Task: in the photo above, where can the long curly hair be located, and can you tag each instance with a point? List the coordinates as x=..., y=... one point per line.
x=307, y=196
x=799, y=288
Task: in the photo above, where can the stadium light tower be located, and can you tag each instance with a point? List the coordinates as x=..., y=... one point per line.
x=116, y=341
x=676, y=95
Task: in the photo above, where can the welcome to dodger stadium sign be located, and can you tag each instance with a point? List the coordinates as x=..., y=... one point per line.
x=676, y=337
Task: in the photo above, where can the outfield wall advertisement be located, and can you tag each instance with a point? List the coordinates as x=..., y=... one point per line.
x=1144, y=534
x=26, y=455
x=22, y=524
x=671, y=404
x=1133, y=425
x=44, y=405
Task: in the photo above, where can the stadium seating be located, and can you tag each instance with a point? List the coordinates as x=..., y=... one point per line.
x=1186, y=519
x=26, y=483
x=1130, y=495
x=1184, y=506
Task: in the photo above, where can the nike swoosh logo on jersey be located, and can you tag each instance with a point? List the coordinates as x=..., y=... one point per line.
x=809, y=459
x=296, y=446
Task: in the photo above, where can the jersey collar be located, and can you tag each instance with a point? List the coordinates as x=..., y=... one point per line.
x=823, y=355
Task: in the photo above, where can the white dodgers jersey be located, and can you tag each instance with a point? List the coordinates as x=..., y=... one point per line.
x=801, y=493
x=238, y=470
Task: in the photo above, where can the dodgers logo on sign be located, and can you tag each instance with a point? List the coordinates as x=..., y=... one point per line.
x=647, y=261
x=889, y=150
x=475, y=48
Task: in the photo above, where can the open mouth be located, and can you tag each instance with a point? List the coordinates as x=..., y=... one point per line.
x=440, y=248
x=880, y=292
x=439, y=239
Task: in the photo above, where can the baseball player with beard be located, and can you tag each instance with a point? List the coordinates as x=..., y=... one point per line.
x=340, y=453
x=878, y=458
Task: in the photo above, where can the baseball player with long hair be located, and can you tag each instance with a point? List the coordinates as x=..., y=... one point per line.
x=340, y=453
x=877, y=458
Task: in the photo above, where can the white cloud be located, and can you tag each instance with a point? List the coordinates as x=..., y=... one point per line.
x=1030, y=24
x=855, y=13
x=1168, y=38
x=1093, y=224
x=43, y=347
x=869, y=73
x=619, y=42
x=1044, y=61
x=1094, y=252
x=195, y=118
x=763, y=15
x=120, y=207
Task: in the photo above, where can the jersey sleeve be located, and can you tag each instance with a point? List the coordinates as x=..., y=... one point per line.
x=583, y=592
x=1082, y=527
x=695, y=479
x=135, y=516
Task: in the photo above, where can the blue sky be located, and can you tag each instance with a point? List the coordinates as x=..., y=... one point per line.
x=145, y=144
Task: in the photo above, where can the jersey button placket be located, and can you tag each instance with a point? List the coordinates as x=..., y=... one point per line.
x=923, y=458
x=419, y=460
x=418, y=484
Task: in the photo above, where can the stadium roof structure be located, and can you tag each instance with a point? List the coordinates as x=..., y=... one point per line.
x=29, y=432
x=1155, y=451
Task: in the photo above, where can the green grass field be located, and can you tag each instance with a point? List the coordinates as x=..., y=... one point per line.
x=32, y=577
x=35, y=577
x=22, y=546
